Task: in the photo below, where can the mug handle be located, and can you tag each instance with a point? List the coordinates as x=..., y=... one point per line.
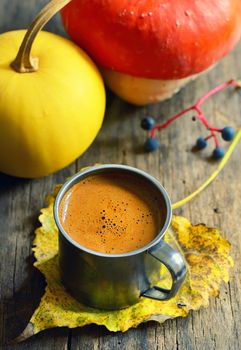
x=176, y=266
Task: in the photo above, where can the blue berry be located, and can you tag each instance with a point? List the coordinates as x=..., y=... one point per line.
x=151, y=144
x=147, y=123
x=201, y=143
x=218, y=153
x=228, y=133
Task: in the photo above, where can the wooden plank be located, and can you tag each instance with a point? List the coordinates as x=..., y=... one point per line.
x=21, y=285
x=179, y=169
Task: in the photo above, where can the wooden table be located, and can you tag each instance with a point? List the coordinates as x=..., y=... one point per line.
x=176, y=166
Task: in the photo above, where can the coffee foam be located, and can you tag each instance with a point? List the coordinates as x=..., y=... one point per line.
x=111, y=213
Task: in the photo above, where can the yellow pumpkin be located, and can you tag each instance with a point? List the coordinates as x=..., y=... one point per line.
x=50, y=116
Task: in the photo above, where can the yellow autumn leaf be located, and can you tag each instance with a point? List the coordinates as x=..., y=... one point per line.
x=206, y=253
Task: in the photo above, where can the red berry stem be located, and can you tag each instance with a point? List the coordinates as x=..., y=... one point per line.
x=215, y=129
x=169, y=121
x=208, y=137
x=200, y=114
x=217, y=89
x=205, y=122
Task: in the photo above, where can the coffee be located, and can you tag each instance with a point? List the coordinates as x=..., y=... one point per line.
x=111, y=213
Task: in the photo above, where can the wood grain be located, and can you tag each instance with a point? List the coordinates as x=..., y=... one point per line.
x=176, y=166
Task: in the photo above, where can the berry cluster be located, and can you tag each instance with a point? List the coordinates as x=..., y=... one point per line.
x=148, y=123
x=227, y=133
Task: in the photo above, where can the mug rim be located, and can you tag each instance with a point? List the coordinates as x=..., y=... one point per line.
x=98, y=169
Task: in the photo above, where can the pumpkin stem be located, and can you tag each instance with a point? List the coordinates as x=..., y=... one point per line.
x=23, y=62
